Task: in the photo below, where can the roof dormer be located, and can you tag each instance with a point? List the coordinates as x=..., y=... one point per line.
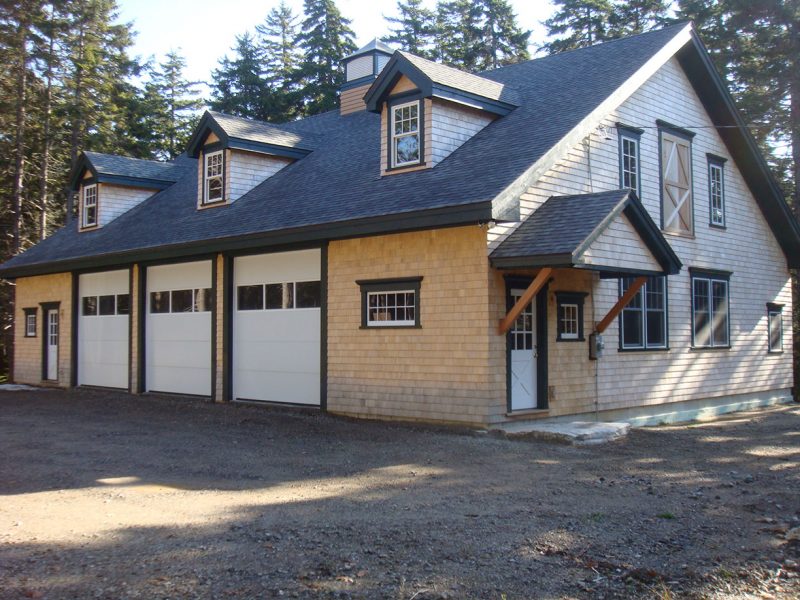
x=428, y=110
x=361, y=68
x=110, y=185
x=235, y=155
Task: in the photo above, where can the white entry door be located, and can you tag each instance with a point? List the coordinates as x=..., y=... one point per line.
x=52, y=344
x=178, y=330
x=277, y=327
x=523, y=357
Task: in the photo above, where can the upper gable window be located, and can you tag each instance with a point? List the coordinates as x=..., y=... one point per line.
x=716, y=191
x=213, y=185
x=677, y=212
x=89, y=206
x=629, y=168
x=405, y=134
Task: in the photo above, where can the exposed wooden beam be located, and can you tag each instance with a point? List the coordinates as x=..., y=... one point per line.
x=533, y=289
x=621, y=303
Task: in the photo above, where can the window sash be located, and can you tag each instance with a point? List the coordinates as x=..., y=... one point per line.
x=394, y=308
x=643, y=322
x=89, y=208
x=569, y=321
x=775, y=330
x=710, y=313
x=213, y=177
x=717, y=194
x=30, y=325
x=629, y=163
x=408, y=127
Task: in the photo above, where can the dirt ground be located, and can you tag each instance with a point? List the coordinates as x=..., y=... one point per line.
x=105, y=495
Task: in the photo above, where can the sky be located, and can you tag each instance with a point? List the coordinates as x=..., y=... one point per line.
x=204, y=30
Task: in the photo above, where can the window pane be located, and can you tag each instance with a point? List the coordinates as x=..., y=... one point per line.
x=288, y=295
x=656, y=329
x=274, y=295
x=250, y=297
x=702, y=326
x=181, y=301
x=202, y=300
x=90, y=306
x=632, y=329
x=215, y=189
x=30, y=325
x=407, y=149
x=720, y=313
x=309, y=294
x=159, y=302
x=106, y=305
x=123, y=304
x=387, y=308
x=775, y=331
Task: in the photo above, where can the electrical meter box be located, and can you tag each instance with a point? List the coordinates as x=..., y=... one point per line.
x=596, y=346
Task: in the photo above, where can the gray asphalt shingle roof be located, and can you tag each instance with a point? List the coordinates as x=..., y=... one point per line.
x=259, y=131
x=560, y=225
x=339, y=181
x=123, y=166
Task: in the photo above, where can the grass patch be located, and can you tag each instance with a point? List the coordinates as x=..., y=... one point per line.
x=665, y=515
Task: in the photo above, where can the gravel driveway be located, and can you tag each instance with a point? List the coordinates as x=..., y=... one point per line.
x=106, y=495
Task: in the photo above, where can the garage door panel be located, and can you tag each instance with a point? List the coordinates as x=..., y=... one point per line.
x=278, y=386
x=178, y=344
x=103, y=340
x=276, y=352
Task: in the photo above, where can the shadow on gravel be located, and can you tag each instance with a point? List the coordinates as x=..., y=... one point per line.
x=177, y=498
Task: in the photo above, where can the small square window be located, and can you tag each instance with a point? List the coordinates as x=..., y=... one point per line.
x=202, y=300
x=309, y=294
x=570, y=316
x=123, y=304
x=106, y=305
x=159, y=302
x=393, y=303
x=250, y=297
x=181, y=301
x=89, y=306
x=30, y=322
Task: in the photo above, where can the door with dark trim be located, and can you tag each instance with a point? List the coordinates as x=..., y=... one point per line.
x=51, y=347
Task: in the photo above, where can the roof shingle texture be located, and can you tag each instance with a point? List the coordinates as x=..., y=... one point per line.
x=123, y=166
x=340, y=179
x=560, y=225
x=259, y=131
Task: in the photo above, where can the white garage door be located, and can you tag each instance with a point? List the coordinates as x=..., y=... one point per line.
x=178, y=331
x=103, y=329
x=276, y=327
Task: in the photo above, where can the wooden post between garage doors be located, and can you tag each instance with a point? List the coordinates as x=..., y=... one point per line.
x=536, y=285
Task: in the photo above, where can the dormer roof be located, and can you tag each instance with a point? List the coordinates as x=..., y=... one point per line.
x=123, y=170
x=248, y=134
x=440, y=81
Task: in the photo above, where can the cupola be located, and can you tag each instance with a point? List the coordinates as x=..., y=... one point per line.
x=361, y=68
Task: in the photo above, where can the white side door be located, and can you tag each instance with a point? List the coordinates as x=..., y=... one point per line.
x=178, y=330
x=276, y=327
x=52, y=344
x=523, y=357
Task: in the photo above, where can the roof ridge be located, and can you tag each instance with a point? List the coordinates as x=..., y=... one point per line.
x=166, y=163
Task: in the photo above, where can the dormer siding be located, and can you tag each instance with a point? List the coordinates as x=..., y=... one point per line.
x=115, y=200
x=451, y=126
x=352, y=100
x=246, y=170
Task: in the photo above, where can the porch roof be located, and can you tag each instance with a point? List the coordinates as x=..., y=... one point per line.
x=610, y=232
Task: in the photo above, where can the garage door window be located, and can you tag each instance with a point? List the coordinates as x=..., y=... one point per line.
x=181, y=301
x=106, y=305
x=279, y=296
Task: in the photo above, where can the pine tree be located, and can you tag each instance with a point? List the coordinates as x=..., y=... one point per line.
x=173, y=103
x=503, y=42
x=414, y=29
x=578, y=23
x=281, y=57
x=637, y=16
x=460, y=33
x=326, y=38
x=238, y=86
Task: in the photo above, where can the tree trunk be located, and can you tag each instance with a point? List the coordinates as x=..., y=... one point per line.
x=77, y=123
x=19, y=142
x=45, y=166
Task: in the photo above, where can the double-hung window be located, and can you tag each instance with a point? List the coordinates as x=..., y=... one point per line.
x=89, y=206
x=677, y=212
x=710, y=309
x=30, y=322
x=775, y=327
x=405, y=134
x=643, y=321
x=570, y=316
x=716, y=191
x=629, y=167
x=213, y=184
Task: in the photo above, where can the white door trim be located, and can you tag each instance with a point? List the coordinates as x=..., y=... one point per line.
x=52, y=333
x=522, y=356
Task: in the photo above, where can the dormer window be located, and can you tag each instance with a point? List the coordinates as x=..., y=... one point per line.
x=406, y=134
x=89, y=206
x=213, y=191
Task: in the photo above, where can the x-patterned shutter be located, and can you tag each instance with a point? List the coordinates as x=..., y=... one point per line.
x=676, y=181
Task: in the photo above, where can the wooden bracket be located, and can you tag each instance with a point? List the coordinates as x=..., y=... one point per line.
x=537, y=284
x=621, y=304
